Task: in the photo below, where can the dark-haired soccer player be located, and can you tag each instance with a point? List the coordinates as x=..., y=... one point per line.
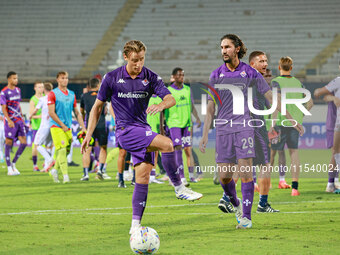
x=234, y=137
x=129, y=89
x=100, y=133
x=14, y=122
x=178, y=119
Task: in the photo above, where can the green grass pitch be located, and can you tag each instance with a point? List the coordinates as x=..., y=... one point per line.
x=38, y=216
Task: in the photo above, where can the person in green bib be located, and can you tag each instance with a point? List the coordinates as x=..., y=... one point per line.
x=36, y=119
x=154, y=122
x=288, y=134
x=178, y=120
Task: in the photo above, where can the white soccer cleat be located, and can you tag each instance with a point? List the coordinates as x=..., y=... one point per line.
x=134, y=228
x=156, y=181
x=244, y=223
x=238, y=211
x=188, y=194
x=15, y=170
x=11, y=173
x=106, y=176
x=54, y=174
x=330, y=188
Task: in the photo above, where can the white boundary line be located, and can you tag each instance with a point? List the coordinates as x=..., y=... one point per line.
x=88, y=210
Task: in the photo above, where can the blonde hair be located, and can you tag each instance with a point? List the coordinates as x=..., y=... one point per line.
x=133, y=46
x=286, y=63
x=48, y=86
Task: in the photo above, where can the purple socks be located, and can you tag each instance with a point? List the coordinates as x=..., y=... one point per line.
x=230, y=190
x=8, y=154
x=20, y=150
x=179, y=159
x=139, y=197
x=35, y=159
x=170, y=166
x=247, y=189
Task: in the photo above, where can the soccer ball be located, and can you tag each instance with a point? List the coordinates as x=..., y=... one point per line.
x=145, y=240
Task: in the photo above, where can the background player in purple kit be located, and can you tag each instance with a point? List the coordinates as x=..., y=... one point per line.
x=130, y=87
x=331, y=94
x=234, y=143
x=14, y=122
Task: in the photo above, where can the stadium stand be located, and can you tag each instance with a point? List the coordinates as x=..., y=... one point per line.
x=38, y=38
x=41, y=37
x=187, y=33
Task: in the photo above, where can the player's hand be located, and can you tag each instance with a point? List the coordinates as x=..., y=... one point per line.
x=64, y=128
x=272, y=130
x=11, y=124
x=199, y=123
x=300, y=128
x=85, y=144
x=153, y=109
x=203, y=144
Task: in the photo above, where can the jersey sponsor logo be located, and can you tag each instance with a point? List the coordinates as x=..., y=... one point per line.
x=243, y=74
x=145, y=82
x=121, y=81
x=182, y=98
x=14, y=98
x=136, y=94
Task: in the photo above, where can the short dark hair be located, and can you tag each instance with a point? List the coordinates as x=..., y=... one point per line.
x=176, y=70
x=93, y=83
x=237, y=43
x=11, y=73
x=255, y=54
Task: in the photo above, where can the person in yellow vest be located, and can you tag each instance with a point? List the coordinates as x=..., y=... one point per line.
x=36, y=119
x=178, y=120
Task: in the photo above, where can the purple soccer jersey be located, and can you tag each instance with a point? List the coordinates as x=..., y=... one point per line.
x=12, y=98
x=243, y=77
x=130, y=97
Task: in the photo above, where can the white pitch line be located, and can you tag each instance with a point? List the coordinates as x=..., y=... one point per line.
x=74, y=211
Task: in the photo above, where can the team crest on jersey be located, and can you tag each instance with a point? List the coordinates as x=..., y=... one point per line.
x=145, y=82
x=148, y=133
x=243, y=74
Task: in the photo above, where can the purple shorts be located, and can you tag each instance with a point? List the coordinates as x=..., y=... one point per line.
x=135, y=140
x=232, y=147
x=330, y=138
x=19, y=129
x=181, y=136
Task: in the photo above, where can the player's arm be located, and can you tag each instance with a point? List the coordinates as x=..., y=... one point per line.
x=194, y=112
x=168, y=101
x=82, y=111
x=79, y=118
x=4, y=110
x=321, y=92
x=54, y=116
x=269, y=96
x=112, y=112
x=32, y=114
x=207, y=124
x=92, y=123
x=31, y=110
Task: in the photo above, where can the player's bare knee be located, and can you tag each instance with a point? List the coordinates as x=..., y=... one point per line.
x=225, y=180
